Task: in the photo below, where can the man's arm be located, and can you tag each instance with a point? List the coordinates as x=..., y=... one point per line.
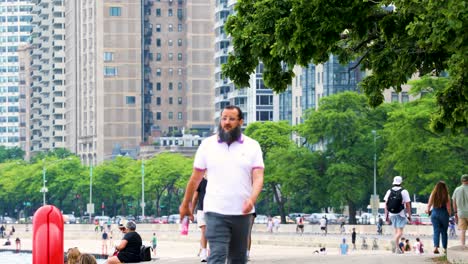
x=194, y=201
x=408, y=209
x=192, y=185
x=257, y=185
x=454, y=203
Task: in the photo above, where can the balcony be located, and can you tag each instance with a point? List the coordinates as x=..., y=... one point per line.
x=59, y=122
x=59, y=133
x=58, y=43
x=58, y=21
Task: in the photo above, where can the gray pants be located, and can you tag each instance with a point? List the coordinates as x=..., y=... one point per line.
x=227, y=236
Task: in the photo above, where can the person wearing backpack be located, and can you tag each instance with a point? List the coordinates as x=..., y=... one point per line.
x=397, y=209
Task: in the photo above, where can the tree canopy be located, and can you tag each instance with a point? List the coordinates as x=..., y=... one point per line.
x=393, y=38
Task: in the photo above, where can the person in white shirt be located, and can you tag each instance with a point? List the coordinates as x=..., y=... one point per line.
x=234, y=166
x=398, y=217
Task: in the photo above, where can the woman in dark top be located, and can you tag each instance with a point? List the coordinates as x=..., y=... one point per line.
x=441, y=210
x=129, y=247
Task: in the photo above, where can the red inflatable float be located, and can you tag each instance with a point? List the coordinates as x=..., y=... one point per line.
x=48, y=236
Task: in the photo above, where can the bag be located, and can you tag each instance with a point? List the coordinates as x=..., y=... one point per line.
x=395, y=201
x=145, y=253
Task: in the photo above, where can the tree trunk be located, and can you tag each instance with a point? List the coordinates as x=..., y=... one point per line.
x=280, y=202
x=352, y=212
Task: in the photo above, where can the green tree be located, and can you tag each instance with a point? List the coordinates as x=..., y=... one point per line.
x=166, y=175
x=272, y=135
x=421, y=156
x=14, y=153
x=392, y=38
x=342, y=128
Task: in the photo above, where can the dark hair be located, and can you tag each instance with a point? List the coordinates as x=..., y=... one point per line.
x=440, y=195
x=232, y=107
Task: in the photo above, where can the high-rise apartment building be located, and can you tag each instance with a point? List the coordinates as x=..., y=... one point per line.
x=47, y=54
x=25, y=80
x=257, y=102
x=15, y=28
x=104, y=89
x=178, y=67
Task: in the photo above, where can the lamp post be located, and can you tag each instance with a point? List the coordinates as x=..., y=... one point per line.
x=143, y=189
x=44, y=189
x=90, y=207
x=375, y=199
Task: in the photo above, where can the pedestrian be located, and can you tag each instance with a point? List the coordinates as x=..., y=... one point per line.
x=234, y=166
x=105, y=236
x=344, y=247
x=18, y=244
x=276, y=224
x=397, y=209
x=418, y=247
x=270, y=224
x=323, y=225
x=353, y=238
x=249, y=243
x=401, y=245
x=197, y=199
x=129, y=247
x=87, y=259
x=73, y=255
x=460, y=207
x=342, y=228
x=380, y=226
x=439, y=209
x=2, y=229
x=300, y=225
x=154, y=243
x=407, y=245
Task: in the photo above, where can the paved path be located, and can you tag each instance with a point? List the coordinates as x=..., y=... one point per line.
x=183, y=252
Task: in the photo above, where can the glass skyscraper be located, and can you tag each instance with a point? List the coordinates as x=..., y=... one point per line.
x=15, y=29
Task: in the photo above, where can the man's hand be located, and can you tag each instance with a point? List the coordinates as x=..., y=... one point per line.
x=184, y=210
x=247, y=206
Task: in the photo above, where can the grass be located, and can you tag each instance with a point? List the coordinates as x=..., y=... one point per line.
x=441, y=260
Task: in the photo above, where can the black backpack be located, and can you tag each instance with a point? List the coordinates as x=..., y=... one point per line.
x=145, y=253
x=395, y=201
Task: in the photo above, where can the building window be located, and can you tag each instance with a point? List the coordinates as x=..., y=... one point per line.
x=170, y=86
x=158, y=56
x=158, y=27
x=169, y=42
x=179, y=27
x=108, y=56
x=170, y=56
x=179, y=115
x=158, y=12
x=179, y=42
x=180, y=14
x=179, y=56
x=158, y=115
x=171, y=71
x=170, y=100
x=158, y=42
x=179, y=86
x=158, y=100
x=158, y=72
x=110, y=71
x=170, y=115
x=158, y=86
x=179, y=71
x=404, y=97
x=179, y=100
x=169, y=12
x=171, y=27
x=115, y=11
x=130, y=100
x=394, y=97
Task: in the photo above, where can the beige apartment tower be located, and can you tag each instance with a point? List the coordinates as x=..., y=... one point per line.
x=104, y=77
x=178, y=67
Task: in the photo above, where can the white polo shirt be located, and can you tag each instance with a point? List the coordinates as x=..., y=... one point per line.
x=229, y=172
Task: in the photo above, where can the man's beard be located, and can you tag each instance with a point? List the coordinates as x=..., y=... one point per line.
x=229, y=136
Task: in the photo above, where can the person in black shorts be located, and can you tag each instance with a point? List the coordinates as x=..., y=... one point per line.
x=129, y=247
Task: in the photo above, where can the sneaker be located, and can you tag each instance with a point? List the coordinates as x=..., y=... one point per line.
x=436, y=251
x=203, y=256
x=398, y=251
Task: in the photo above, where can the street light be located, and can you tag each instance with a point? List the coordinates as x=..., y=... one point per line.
x=44, y=189
x=375, y=198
